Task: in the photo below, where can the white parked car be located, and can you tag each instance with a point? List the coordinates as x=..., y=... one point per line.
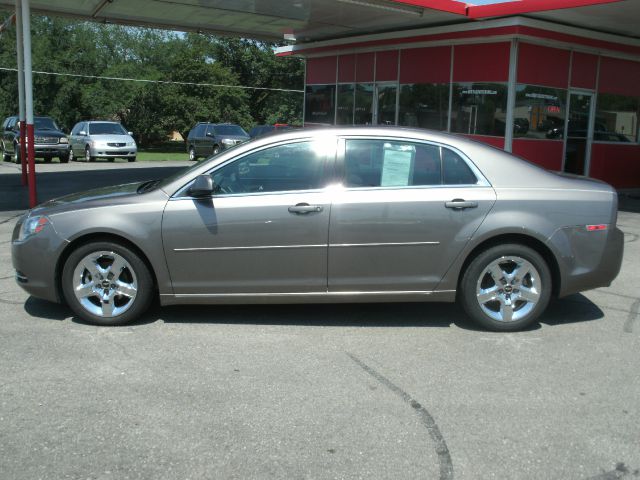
x=100, y=139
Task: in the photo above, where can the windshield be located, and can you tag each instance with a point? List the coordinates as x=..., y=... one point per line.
x=235, y=130
x=45, y=123
x=106, y=129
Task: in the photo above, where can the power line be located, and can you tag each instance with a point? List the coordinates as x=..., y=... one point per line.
x=167, y=82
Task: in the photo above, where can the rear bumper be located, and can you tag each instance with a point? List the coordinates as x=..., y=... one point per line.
x=590, y=259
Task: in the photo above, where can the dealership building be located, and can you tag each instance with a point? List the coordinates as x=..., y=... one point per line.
x=560, y=88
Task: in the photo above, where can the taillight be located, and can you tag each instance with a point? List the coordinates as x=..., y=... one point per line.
x=595, y=228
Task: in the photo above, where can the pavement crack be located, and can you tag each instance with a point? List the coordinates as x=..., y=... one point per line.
x=6, y=220
x=444, y=457
x=632, y=317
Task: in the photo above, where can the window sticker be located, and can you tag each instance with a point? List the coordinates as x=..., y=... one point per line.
x=397, y=165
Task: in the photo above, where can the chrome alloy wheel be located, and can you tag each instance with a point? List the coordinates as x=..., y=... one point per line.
x=105, y=284
x=508, y=289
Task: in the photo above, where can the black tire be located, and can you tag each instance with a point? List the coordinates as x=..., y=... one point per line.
x=71, y=157
x=192, y=154
x=145, y=288
x=216, y=149
x=64, y=158
x=47, y=159
x=16, y=154
x=87, y=155
x=476, y=279
x=131, y=159
x=5, y=156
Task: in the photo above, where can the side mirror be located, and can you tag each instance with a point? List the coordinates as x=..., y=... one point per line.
x=82, y=133
x=202, y=187
x=209, y=134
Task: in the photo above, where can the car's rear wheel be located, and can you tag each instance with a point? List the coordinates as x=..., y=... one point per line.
x=106, y=283
x=506, y=287
x=192, y=154
x=131, y=159
x=16, y=153
x=87, y=155
x=216, y=149
x=47, y=159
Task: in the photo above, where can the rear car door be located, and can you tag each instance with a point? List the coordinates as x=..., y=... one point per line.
x=265, y=231
x=406, y=210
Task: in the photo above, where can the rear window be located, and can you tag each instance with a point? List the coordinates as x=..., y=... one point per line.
x=235, y=130
x=393, y=163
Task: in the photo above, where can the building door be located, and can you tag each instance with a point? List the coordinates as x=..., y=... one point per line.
x=384, y=104
x=579, y=133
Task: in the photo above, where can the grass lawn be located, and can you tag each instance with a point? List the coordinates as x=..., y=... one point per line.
x=156, y=156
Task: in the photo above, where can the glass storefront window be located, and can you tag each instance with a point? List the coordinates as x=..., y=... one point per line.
x=479, y=108
x=320, y=104
x=363, y=114
x=539, y=112
x=616, y=118
x=345, y=104
x=424, y=105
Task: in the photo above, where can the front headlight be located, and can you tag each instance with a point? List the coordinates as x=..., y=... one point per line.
x=32, y=225
x=131, y=144
x=64, y=140
x=228, y=142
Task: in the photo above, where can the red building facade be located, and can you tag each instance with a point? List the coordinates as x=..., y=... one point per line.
x=565, y=98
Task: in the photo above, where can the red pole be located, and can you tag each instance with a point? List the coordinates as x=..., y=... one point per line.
x=23, y=151
x=31, y=152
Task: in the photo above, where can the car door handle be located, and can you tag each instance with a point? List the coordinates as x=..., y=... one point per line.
x=303, y=208
x=460, y=204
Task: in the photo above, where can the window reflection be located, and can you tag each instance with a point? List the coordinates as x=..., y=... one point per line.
x=539, y=112
x=424, y=105
x=479, y=108
x=617, y=118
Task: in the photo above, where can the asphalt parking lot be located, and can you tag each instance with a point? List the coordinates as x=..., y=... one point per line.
x=331, y=391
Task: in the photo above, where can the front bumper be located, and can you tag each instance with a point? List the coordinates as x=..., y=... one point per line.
x=117, y=152
x=51, y=150
x=35, y=260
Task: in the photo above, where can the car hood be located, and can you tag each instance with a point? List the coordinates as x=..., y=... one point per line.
x=97, y=197
x=48, y=133
x=112, y=138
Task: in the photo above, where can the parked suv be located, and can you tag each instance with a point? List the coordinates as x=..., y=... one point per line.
x=207, y=139
x=49, y=140
x=101, y=139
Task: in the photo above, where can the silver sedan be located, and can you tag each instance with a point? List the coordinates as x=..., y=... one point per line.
x=331, y=215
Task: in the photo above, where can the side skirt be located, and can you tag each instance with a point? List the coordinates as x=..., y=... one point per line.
x=305, y=297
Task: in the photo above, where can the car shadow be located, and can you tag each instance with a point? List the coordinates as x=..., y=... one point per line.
x=572, y=309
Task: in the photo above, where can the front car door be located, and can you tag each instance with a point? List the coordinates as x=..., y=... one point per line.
x=406, y=210
x=264, y=232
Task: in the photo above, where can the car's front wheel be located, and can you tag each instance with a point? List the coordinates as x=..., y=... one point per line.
x=87, y=155
x=192, y=154
x=506, y=287
x=131, y=159
x=72, y=157
x=5, y=156
x=106, y=283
